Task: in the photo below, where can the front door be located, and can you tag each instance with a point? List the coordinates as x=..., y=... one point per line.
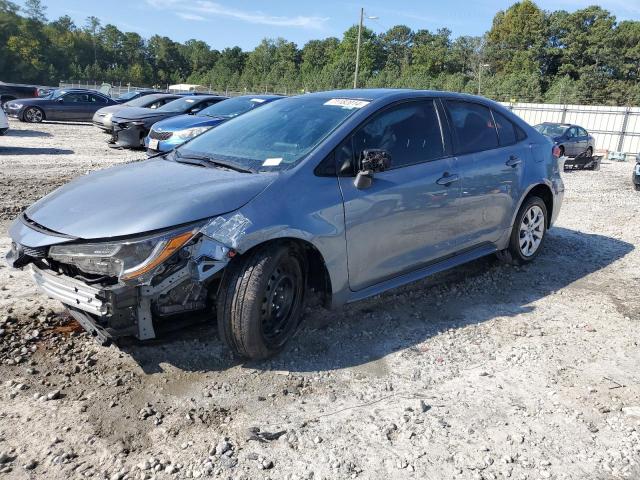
x=492, y=153
x=402, y=221
x=72, y=106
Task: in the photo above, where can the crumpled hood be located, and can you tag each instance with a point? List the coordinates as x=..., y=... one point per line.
x=140, y=113
x=140, y=197
x=181, y=122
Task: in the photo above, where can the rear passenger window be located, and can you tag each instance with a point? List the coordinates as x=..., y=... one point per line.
x=473, y=126
x=409, y=132
x=507, y=134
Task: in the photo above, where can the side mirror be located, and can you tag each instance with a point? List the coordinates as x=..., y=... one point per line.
x=371, y=161
x=60, y=100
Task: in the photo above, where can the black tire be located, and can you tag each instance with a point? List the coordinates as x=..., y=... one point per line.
x=250, y=322
x=589, y=152
x=33, y=115
x=514, y=253
x=637, y=187
x=562, y=150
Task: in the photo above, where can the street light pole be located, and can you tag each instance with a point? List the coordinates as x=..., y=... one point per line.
x=355, y=75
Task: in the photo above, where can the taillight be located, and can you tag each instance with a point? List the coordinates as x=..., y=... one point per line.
x=556, y=151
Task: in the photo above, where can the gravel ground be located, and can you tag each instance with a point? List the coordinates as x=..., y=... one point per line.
x=483, y=372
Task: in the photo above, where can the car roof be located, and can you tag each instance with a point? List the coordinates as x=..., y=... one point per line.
x=381, y=93
x=566, y=125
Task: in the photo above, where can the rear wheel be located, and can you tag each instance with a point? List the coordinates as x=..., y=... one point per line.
x=589, y=152
x=33, y=115
x=528, y=232
x=260, y=301
x=561, y=151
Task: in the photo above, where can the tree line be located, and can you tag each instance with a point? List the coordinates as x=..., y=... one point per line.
x=528, y=54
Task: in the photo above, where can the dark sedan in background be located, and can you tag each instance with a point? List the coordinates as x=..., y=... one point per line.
x=102, y=118
x=168, y=134
x=572, y=140
x=72, y=104
x=131, y=125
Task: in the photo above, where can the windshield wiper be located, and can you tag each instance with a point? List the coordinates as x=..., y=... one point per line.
x=206, y=160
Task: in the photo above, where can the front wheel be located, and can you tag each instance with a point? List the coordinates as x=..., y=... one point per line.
x=33, y=115
x=260, y=301
x=528, y=232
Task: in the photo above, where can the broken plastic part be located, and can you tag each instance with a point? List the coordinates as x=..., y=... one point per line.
x=227, y=231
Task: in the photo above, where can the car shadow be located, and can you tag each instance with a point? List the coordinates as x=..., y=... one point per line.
x=367, y=331
x=34, y=151
x=26, y=133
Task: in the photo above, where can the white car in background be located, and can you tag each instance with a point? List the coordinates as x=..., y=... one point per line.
x=4, y=123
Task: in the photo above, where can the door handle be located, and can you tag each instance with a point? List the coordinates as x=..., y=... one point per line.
x=513, y=161
x=448, y=179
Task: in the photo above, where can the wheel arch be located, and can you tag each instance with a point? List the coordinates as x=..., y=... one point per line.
x=542, y=190
x=317, y=273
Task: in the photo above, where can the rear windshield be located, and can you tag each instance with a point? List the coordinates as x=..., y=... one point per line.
x=275, y=136
x=550, y=129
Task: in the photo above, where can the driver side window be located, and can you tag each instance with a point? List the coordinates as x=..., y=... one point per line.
x=409, y=132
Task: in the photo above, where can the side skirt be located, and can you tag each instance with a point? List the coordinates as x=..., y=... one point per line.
x=421, y=273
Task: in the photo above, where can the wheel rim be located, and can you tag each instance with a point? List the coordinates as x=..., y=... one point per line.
x=278, y=305
x=531, y=230
x=33, y=115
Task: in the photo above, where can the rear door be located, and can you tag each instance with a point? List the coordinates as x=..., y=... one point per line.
x=95, y=103
x=583, y=138
x=401, y=222
x=491, y=157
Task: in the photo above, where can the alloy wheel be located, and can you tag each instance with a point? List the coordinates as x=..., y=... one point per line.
x=531, y=230
x=33, y=115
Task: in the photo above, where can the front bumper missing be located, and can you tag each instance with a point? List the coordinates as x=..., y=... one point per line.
x=70, y=291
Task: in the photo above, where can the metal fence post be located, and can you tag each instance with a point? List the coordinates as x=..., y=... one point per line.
x=623, y=130
x=564, y=113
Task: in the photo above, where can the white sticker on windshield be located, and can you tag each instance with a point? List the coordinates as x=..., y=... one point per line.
x=346, y=102
x=272, y=162
x=257, y=100
x=189, y=100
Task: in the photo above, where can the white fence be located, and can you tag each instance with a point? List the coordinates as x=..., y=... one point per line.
x=614, y=128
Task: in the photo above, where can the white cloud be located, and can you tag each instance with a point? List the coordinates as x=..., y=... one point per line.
x=203, y=9
x=191, y=16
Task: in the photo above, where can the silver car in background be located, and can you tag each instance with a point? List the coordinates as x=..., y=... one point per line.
x=4, y=122
x=102, y=118
x=344, y=194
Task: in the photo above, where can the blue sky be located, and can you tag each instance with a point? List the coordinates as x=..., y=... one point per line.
x=224, y=23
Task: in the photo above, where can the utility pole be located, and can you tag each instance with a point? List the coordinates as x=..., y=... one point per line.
x=355, y=75
x=480, y=67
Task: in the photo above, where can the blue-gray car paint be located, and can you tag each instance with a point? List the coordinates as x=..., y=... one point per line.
x=470, y=220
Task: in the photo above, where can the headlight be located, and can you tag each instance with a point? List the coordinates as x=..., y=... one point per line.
x=136, y=123
x=191, y=132
x=15, y=105
x=126, y=260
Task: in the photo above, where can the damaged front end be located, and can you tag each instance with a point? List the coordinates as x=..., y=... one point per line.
x=128, y=287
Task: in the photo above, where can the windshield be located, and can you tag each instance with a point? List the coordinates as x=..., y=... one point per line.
x=56, y=93
x=232, y=107
x=128, y=95
x=180, y=105
x=551, y=130
x=142, y=101
x=276, y=136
